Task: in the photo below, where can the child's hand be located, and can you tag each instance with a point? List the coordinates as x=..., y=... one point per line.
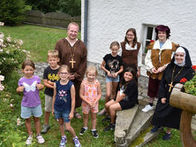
x=39, y=86
x=20, y=89
x=163, y=100
x=109, y=74
x=115, y=75
x=71, y=115
x=51, y=83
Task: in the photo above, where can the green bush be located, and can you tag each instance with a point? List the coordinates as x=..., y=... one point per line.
x=11, y=54
x=12, y=12
x=190, y=86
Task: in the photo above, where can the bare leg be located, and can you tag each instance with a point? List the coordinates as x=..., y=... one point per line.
x=93, y=120
x=108, y=91
x=114, y=87
x=70, y=129
x=61, y=126
x=28, y=126
x=46, y=118
x=85, y=120
x=37, y=125
x=113, y=108
x=108, y=104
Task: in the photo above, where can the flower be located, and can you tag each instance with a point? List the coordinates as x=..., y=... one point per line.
x=183, y=80
x=194, y=67
x=151, y=41
x=2, y=77
x=1, y=87
x=1, y=23
x=1, y=35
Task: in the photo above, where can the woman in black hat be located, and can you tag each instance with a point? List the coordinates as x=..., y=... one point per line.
x=157, y=58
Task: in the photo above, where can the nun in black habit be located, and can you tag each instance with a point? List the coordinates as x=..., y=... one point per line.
x=165, y=115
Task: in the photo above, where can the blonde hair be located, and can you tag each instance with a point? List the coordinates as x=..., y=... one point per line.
x=64, y=67
x=91, y=68
x=114, y=43
x=53, y=53
x=72, y=23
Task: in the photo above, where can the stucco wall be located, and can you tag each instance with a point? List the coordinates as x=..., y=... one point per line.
x=108, y=20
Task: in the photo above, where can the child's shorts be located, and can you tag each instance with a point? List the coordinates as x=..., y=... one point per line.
x=27, y=112
x=110, y=79
x=48, y=103
x=86, y=108
x=63, y=115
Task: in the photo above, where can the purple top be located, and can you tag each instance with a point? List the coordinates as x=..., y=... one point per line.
x=31, y=93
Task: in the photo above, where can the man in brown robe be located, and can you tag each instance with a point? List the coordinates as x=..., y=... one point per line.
x=73, y=53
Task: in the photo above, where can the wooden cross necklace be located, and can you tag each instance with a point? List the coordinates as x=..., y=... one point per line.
x=72, y=61
x=173, y=78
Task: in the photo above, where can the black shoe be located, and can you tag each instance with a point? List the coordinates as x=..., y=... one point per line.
x=107, y=118
x=155, y=129
x=83, y=130
x=45, y=129
x=95, y=134
x=167, y=136
x=110, y=127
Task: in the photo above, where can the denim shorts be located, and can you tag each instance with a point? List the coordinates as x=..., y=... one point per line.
x=27, y=112
x=111, y=79
x=63, y=115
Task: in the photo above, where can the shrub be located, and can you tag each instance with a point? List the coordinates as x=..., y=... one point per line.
x=11, y=54
x=190, y=86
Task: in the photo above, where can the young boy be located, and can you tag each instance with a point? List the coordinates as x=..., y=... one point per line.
x=49, y=77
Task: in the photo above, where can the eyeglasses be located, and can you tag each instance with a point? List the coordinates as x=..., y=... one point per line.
x=63, y=73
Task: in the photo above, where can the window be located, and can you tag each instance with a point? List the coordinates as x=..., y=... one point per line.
x=149, y=34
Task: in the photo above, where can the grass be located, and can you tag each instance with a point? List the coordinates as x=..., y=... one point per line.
x=38, y=40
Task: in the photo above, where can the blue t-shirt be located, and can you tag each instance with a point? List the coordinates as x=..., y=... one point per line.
x=63, y=97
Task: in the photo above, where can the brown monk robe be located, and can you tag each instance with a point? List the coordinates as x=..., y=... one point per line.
x=76, y=58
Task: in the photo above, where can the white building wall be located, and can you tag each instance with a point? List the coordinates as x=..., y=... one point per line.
x=108, y=20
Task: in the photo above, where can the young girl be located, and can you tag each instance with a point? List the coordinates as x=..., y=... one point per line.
x=112, y=65
x=30, y=85
x=90, y=93
x=63, y=104
x=127, y=96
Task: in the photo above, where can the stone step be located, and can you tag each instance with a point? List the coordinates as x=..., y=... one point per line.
x=124, y=120
x=140, y=123
x=148, y=137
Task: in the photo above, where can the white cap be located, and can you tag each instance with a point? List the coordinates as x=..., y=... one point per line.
x=181, y=50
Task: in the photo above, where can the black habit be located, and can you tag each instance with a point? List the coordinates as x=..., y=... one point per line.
x=165, y=115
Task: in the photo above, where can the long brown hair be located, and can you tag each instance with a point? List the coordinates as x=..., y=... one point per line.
x=135, y=36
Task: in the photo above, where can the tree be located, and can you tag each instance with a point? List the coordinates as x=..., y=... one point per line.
x=12, y=12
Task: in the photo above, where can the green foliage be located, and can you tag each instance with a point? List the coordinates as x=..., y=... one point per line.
x=190, y=86
x=71, y=7
x=11, y=54
x=12, y=12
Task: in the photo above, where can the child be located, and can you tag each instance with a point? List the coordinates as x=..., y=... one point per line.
x=50, y=76
x=30, y=85
x=127, y=96
x=63, y=104
x=112, y=65
x=90, y=93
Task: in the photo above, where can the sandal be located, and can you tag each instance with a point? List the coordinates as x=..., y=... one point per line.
x=77, y=115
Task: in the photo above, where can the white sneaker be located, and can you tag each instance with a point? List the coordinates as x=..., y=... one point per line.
x=29, y=140
x=147, y=108
x=40, y=139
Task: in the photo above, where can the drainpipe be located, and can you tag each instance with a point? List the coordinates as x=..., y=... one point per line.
x=85, y=21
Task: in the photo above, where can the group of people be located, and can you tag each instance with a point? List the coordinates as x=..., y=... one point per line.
x=66, y=88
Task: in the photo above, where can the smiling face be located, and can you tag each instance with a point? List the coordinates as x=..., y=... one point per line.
x=114, y=50
x=72, y=31
x=130, y=36
x=91, y=75
x=162, y=36
x=64, y=74
x=128, y=76
x=53, y=61
x=179, y=57
x=28, y=71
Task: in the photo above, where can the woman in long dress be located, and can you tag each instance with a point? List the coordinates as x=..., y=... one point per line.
x=165, y=115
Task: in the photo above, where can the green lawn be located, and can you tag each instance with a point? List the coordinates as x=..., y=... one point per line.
x=38, y=40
